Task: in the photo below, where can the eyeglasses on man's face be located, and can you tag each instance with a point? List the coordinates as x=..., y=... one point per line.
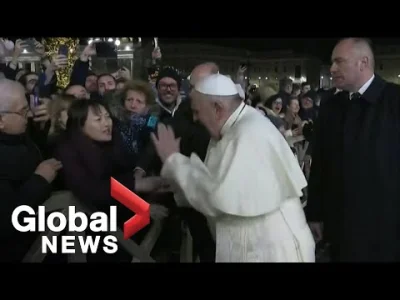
x=23, y=112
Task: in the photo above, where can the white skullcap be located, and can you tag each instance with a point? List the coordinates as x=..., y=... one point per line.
x=218, y=85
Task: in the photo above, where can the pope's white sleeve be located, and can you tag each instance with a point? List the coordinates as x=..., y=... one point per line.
x=194, y=181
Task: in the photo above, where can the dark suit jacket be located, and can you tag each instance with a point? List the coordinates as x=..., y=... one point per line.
x=19, y=158
x=354, y=183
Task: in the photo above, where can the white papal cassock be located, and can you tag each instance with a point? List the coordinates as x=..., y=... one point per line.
x=251, y=184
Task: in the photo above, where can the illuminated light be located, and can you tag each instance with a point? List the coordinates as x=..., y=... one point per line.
x=110, y=39
x=331, y=77
x=322, y=77
x=140, y=40
x=117, y=42
x=127, y=48
x=90, y=41
x=24, y=51
x=245, y=78
x=398, y=75
x=291, y=78
x=266, y=78
x=97, y=39
x=259, y=78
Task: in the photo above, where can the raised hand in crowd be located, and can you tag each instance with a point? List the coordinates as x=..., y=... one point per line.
x=123, y=73
x=59, y=61
x=156, y=54
x=40, y=113
x=89, y=51
x=19, y=46
x=39, y=48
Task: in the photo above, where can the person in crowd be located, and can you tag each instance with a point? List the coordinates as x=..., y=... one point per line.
x=305, y=87
x=308, y=110
x=120, y=84
x=133, y=119
x=296, y=90
x=355, y=174
x=249, y=227
x=177, y=113
x=293, y=122
x=58, y=117
x=275, y=104
x=194, y=139
x=92, y=153
x=106, y=82
x=81, y=74
x=285, y=90
x=275, y=119
x=78, y=91
x=25, y=179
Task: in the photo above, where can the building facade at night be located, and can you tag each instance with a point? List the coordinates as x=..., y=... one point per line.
x=265, y=67
x=387, y=62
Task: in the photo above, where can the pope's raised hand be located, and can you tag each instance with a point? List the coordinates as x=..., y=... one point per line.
x=165, y=142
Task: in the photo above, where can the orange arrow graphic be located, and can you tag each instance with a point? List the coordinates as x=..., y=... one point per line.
x=136, y=204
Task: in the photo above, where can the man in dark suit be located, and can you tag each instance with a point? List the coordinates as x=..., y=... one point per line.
x=194, y=138
x=354, y=188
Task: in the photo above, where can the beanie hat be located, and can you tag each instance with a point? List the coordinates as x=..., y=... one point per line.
x=171, y=73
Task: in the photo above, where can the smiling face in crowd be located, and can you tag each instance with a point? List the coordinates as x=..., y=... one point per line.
x=168, y=90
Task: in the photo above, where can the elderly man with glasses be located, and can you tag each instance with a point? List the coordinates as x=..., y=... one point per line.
x=25, y=179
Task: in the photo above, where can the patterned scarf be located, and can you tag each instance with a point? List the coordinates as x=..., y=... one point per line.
x=134, y=131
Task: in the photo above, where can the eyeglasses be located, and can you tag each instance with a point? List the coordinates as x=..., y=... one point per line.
x=23, y=113
x=170, y=86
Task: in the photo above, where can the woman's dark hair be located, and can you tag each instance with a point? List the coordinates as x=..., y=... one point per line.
x=78, y=112
x=271, y=100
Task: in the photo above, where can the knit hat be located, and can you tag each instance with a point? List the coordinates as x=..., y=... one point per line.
x=171, y=73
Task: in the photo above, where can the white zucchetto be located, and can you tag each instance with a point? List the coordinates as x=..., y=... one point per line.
x=218, y=85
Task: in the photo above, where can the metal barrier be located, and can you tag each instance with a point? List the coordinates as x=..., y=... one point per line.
x=60, y=201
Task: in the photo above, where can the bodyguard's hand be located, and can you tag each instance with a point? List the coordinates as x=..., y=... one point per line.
x=48, y=169
x=317, y=230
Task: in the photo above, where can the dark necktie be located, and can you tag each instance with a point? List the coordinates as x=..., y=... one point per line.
x=355, y=96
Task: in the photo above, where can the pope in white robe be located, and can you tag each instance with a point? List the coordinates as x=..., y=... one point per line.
x=250, y=182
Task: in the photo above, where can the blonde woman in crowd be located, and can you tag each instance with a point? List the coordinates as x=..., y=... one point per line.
x=133, y=113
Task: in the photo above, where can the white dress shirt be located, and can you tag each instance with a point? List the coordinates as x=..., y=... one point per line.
x=365, y=86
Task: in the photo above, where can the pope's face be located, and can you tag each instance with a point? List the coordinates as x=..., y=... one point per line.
x=207, y=113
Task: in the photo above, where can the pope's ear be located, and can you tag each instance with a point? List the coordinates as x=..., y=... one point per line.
x=218, y=105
